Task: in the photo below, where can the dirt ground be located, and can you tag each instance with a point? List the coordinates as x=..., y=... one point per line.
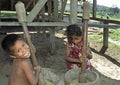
x=107, y=65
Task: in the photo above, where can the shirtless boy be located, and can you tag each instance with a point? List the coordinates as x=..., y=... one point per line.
x=21, y=71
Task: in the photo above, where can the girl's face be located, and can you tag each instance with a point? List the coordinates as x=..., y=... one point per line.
x=76, y=39
x=21, y=49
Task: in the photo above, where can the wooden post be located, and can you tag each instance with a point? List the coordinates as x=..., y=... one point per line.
x=42, y=14
x=64, y=2
x=94, y=8
x=105, y=39
x=52, y=39
x=49, y=4
x=29, y=4
x=55, y=12
x=12, y=4
x=73, y=11
x=86, y=6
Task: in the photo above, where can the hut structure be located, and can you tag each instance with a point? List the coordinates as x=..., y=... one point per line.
x=50, y=14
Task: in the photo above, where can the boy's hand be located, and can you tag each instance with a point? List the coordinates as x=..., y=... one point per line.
x=37, y=68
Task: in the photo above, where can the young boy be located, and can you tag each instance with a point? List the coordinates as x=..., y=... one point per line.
x=21, y=71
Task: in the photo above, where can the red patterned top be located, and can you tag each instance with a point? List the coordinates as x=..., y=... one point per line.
x=75, y=53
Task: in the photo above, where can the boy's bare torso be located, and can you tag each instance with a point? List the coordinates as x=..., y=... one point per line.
x=17, y=75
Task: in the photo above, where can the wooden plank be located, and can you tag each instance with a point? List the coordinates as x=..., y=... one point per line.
x=36, y=10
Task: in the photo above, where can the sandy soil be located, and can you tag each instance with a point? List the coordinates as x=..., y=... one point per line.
x=107, y=65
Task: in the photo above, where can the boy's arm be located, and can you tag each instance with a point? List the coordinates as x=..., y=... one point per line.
x=29, y=73
x=37, y=72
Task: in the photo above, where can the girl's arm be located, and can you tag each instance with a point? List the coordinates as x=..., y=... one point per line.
x=90, y=54
x=68, y=58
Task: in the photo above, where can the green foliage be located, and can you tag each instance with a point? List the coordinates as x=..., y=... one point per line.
x=112, y=12
x=114, y=45
x=95, y=37
x=114, y=34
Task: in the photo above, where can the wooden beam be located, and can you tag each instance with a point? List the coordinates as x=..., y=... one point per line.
x=106, y=20
x=57, y=24
x=103, y=20
x=36, y=10
x=35, y=24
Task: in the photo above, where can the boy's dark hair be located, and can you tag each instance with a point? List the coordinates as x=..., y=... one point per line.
x=73, y=29
x=9, y=41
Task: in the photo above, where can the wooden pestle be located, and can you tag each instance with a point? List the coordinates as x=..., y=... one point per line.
x=82, y=75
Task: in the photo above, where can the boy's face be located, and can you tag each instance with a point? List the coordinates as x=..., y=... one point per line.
x=76, y=39
x=21, y=49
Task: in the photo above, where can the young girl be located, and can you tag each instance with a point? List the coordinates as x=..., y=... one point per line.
x=21, y=71
x=74, y=48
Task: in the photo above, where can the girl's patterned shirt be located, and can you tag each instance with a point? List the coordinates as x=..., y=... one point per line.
x=75, y=52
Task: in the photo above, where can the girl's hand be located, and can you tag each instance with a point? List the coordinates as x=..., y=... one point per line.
x=86, y=51
x=37, y=68
x=83, y=59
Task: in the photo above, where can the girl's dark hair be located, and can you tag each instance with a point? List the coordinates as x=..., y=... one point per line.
x=9, y=41
x=73, y=29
